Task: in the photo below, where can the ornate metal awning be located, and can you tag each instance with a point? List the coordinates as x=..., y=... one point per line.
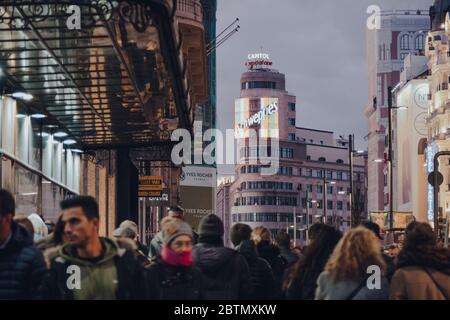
x=113, y=80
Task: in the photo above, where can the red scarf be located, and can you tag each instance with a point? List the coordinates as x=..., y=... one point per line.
x=173, y=258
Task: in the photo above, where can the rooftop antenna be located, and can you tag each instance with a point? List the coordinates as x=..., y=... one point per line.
x=222, y=37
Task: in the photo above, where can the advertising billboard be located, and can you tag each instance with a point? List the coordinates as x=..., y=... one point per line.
x=197, y=191
x=256, y=113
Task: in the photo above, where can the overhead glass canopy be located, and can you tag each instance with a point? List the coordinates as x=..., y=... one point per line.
x=108, y=72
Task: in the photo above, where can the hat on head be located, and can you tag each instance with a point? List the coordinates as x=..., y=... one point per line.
x=372, y=226
x=211, y=226
x=127, y=228
x=172, y=228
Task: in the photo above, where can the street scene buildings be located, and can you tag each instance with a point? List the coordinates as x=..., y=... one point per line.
x=149, y=151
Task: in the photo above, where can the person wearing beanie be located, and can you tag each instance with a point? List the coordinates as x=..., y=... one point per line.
x=156, y=244
x=226, y=272
x=172, y=276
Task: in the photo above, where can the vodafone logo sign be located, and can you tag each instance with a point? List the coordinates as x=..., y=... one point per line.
x=258, y=60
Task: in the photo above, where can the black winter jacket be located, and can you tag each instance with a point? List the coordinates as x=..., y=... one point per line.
x=273, y=256
x=226, y=273
x=22, y=267
x=174, y=283
x=261, y=274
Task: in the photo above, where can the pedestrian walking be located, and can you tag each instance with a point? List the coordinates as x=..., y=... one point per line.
x=375, y=228
x=90, y=267
x=283, y=241
x=261, y=275
x=172, y=276
x=22, y=266
x=226, y=272
x=301, y=280
x=262, y=237
x=156, y=243
x=346, y=274
x=127, y=235
x=423, y=268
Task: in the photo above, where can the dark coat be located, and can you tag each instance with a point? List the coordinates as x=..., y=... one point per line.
x=174, y=283
x=226, y=273
x=272, y=255
x=22, y=267
x=261, y=274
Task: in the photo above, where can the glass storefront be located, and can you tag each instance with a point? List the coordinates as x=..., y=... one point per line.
x=35, y=165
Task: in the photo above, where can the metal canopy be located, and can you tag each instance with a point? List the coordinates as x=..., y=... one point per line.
x=109, y=83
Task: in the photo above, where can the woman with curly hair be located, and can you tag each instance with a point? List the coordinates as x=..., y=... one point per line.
x=423, y=268
x=348, y=272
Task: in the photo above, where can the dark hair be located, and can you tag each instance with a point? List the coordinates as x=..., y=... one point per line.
x=7, y=203
x=419, y=234
x=176, y=209
x=240, y=232
x=58, y=231
x=87, y=203
x=307, y=269
x=314, y=230
x=283, y=239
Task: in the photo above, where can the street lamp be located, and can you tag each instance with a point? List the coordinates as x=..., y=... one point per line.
x=390, y=157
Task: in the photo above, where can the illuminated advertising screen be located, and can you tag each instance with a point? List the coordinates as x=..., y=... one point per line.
x=259, y=114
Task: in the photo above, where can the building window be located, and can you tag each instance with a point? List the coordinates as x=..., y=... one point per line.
x=321, y=142
x=329, y=189
x=309, y=172
x=340, y=161
x=291, y=121
x=291, y=136
x=322, y=159
x=403, y=55
x=287, y=153
x=259, y=85
x=319, y=204
x=329, y=175
x=330, y=204
x=319, y=174
x=309, y=187
x=291, y=106
x=404, y=42
x=419, y=42
x=339, y=205
x=308, y=157
x=319, y=189
x=339, y=175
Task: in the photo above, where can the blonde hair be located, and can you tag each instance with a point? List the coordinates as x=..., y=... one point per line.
x=261, y=234
x=358, y=249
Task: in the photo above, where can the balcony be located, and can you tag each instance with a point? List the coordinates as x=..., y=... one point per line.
x=189, y=16
x=190, y=10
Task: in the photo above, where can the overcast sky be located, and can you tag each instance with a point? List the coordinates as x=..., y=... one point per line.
x=319, y=45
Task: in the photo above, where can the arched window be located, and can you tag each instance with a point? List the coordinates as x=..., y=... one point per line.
x=339, y=161
x=419, y=42
x=322, y=159
x=404, y=42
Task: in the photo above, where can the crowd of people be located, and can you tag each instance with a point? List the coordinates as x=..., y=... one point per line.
x=72, y=262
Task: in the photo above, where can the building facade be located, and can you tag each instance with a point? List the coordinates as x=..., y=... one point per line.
x=438, y=117
x=401, y=33
x=410, y=128
x=90, y=109
x=312, y=178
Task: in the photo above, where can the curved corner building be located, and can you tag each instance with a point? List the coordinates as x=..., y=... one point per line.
x=310, y=161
